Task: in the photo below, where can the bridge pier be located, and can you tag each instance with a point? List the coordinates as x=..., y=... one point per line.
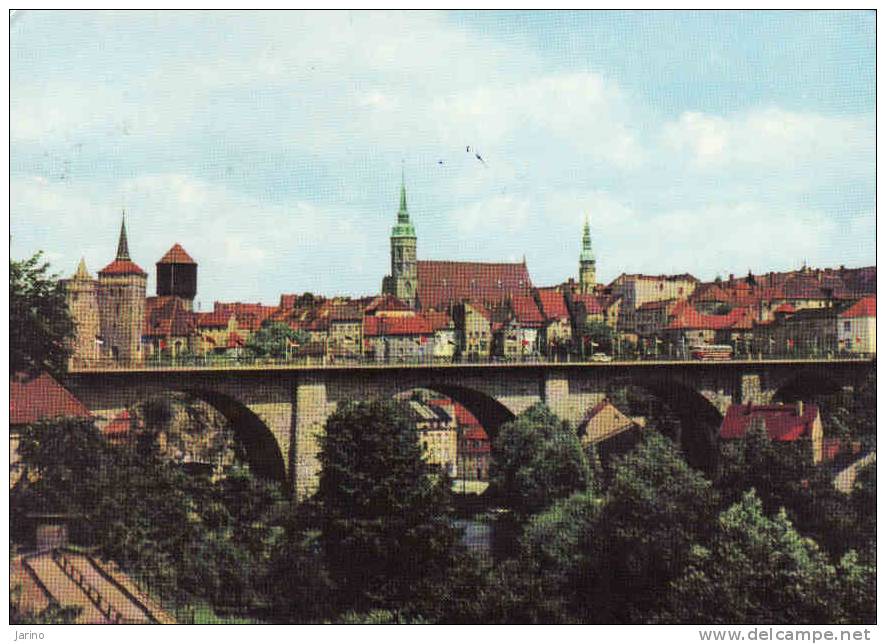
x=309, y=414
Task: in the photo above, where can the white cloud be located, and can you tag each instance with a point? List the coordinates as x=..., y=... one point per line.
x=771, y=137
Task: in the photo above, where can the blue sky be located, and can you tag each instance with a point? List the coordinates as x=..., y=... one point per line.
x=270, y=145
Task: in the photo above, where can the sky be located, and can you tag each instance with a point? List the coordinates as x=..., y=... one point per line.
x=271, y=145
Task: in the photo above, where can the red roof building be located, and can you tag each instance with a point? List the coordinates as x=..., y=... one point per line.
x=376, y=326
x=784, y=423
x=439, y=320
x=32, y=399
x=167, y=316
x=590, y=303
x=553, y=304
x=866, y=307
x=685, y=317
x=441, y=284
x=525, y=311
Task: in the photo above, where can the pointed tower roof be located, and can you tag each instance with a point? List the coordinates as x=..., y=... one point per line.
x=587, y=253
x=176, y=255
x=122, y=264
x=123, y=244
x=404, y=227
x=82, y=273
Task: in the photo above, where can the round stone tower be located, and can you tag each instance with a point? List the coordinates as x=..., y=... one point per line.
x=82, y=298
x=121, y=300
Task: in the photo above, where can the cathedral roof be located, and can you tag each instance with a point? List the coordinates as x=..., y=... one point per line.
x=441, y=283
x=176, y=255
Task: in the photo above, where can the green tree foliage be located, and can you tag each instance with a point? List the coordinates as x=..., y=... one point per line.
x=597, y=338
x=784, y=476
x=386, y=523
x=656, y=508
x=39, y=321
x=274, y=340
x=605, y=557
x=186, y=536
x=538, y=459
x=761, y=570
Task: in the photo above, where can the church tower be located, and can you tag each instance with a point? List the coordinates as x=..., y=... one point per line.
x=82, y=298
x=121, y=301
x=587, y=265
x=403, y=280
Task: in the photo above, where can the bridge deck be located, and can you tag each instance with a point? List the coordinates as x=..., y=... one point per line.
x=369, y=366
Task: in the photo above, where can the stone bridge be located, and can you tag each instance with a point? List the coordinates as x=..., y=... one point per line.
x=279, y=412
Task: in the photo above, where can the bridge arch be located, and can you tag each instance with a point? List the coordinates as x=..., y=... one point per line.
x=699, y=419
x=260, y=448
x=807, y=384
x=488, y=411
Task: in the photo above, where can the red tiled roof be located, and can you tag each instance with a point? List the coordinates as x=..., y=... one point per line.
x=122, y=267
x=686, y=317
x=786, y=307
x=442, y=283
x=526, y=311
x=464, y=417
x=176, y=255
x=782, y=421
x=214, y=319
x=710, y=293
x=235, y=340
x=121, y=424
x=41, y=398
x=438, y=320
x=590, y=303
x=866, y=307
x=167, y=316
x=375, y=326
x=476, y=434
x=386, y=302
x=553, y=304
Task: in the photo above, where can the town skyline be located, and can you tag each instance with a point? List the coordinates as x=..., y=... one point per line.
x=276, y=161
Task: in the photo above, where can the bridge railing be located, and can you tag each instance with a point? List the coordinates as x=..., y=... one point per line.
x=236, y=362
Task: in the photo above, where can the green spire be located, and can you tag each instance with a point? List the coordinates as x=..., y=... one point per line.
x=404, y=227
x=403, y=214
x=123, y=245
x=587, y=253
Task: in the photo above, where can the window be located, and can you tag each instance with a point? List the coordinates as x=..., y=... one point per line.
x=847, y=325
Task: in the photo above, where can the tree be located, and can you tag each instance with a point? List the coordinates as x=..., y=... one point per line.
x=784, y=476
x=538, y=459
x=596, y=338
x=656, y=508
x=386, y=523
x=40, y=324
x=274, y=340
x=186, y=536
x=761, y=570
